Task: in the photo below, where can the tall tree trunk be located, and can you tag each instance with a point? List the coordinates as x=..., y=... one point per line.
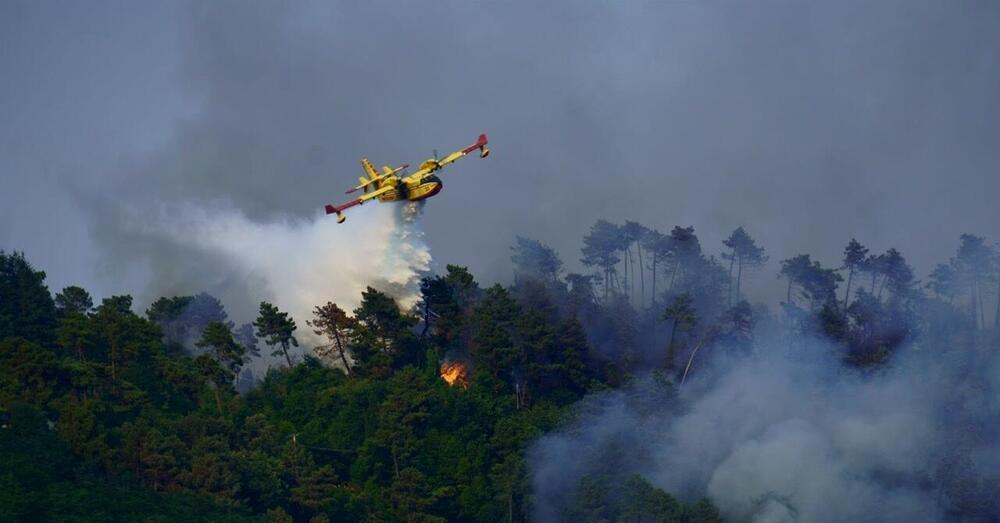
x=114, y=362
x=218, y=398
x=642, y=278
x=996, y=316
x=427, y=319
x=982, y=313
x=624, y=288
x=652, y=298
x=631, y=287
x=975, y=314
x=847, y=295
x=670, y=347
x=340, y=349
x=284, y=348
x=739, y=278
x=729, y=291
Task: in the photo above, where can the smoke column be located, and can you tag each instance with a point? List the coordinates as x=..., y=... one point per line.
x=295, y=263
x=790, y=436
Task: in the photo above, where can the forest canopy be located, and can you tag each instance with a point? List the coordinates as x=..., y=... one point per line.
x=427, y=414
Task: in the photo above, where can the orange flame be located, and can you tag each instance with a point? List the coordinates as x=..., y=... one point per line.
x=455, y=373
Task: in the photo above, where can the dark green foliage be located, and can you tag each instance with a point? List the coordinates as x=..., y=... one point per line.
x=218, y=340
x=276, y=328
x=41, y=480
x=167, y=313
x=110, y=422
x=73, y=300
x=603, y=499
x=332, y=322
x=26, y=308
x=383, y=338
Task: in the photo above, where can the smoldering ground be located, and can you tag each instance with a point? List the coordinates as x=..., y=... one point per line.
x=790, y=435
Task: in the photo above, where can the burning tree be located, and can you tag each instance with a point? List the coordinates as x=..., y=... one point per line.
x=455, y=373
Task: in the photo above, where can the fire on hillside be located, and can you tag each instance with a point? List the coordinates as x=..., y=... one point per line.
x=455, y=373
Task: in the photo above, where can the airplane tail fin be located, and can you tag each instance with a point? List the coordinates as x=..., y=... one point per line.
x=481, y=145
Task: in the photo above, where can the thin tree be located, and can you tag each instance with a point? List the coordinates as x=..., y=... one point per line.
x=600, y=250
x=794, y=269
x=226, y=357
x=682, y=312
x=973, y=265
x=854, y=257
x=685, y=255
x=743, y=254
x=276, y=328
x=634, y=233
x=331, y=321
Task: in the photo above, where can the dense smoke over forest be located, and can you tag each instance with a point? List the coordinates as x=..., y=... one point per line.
x=876, y=400
x=788, y=435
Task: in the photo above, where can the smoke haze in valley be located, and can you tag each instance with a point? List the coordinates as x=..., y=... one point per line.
x=790, y=435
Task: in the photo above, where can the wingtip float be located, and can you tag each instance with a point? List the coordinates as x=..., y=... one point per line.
x=395, y=185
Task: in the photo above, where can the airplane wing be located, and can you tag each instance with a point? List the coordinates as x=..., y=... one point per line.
x=430, y=166
x=331, y=209
x=370, y=177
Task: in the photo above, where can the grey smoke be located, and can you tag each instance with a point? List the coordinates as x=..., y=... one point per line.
x=793, y=436
x=807, y=123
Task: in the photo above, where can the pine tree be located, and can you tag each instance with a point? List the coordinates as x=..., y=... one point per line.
x=684, y=318
x=854, y=257
x=743, y=254
x=72, y=300
x=331, y=321
x=276, y=328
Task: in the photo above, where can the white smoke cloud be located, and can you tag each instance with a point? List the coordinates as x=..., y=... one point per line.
x=295, y=263
x=773, y=438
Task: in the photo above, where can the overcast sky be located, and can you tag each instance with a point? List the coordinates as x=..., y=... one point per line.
x=805, y=122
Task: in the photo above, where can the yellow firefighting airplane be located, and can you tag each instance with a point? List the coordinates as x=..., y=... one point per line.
x=390, y=186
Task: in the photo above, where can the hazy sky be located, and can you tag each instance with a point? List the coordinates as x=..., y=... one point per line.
x=806, y=122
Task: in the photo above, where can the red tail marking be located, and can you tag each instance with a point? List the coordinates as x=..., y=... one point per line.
x=480, y=143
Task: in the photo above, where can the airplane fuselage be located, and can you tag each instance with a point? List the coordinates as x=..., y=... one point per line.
x=405, y=189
